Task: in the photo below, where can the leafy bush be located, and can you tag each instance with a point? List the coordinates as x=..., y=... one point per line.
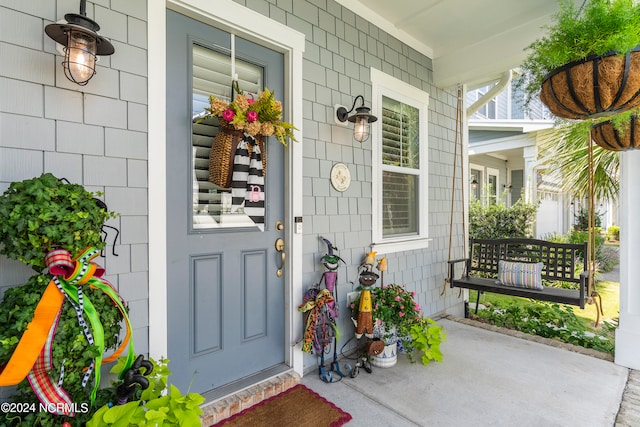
x=70, y=348
x=582, y=220
x=44, y=213
x=162, y=404
x=498, y=221
x=550, y=321
x=606, y=257
x=613, y=232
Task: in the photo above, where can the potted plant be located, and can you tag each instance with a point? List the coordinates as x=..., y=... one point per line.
x=398, y=321
x=588, y=63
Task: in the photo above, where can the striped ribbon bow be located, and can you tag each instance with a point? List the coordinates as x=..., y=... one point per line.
x=32, y=356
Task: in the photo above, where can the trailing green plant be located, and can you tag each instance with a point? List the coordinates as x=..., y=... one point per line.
x=547, y=320
x=423, y=336
x=498, y=221
x=41, y=214
x=162, y=404
x=596, y=28
x=70, y=349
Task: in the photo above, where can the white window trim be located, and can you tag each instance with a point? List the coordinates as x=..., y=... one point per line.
x=384, y=84
x=492, y=172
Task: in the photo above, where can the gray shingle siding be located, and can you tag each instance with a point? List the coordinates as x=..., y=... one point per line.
x=341, y=48
x=93, y=135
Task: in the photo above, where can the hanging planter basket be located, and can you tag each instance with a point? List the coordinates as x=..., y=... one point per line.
x=609, y=138
x=597, y=86
x=223, y=152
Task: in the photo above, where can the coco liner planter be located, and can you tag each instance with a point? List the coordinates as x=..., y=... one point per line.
x=597, y=86
x=609, y=138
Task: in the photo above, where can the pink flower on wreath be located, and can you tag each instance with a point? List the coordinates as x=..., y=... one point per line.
x=398, y=298
x=228, y=115
x=413, y=294
x=252, y=116
x=401, y=314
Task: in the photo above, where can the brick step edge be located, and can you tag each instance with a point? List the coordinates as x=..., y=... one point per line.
x=228, y=406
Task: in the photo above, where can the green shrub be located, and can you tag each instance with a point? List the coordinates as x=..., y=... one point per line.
x=582, y=220
x=498, y=221
x=613, y=232
x=70, y=349
x=41, y=214
x=550, y=321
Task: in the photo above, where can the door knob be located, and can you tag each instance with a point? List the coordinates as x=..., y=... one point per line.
x=280, y=248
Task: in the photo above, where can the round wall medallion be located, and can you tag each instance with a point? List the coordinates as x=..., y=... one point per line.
x=340, y=177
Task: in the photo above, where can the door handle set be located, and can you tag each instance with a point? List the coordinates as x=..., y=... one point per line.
x=279, y=245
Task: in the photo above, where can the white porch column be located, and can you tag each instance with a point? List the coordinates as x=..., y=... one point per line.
x=628, y=332
x=530, y=155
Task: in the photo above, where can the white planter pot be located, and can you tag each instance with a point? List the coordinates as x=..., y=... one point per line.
x=387, y=358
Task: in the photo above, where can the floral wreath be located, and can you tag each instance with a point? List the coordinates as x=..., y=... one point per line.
x=261, y=116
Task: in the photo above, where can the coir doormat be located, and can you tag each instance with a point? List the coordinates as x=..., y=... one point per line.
x=298, y=406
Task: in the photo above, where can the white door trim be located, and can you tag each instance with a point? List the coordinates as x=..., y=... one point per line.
x=232, y=17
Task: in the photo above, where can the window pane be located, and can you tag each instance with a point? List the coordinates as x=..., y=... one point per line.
x=399, y=204
x=493, y=189
x=400, y=134
x=211, y=76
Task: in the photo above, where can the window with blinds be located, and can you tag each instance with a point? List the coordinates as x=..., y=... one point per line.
x=212, y=76
x=400, y=168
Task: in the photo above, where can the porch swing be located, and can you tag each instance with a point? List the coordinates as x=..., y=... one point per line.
x=518, y=266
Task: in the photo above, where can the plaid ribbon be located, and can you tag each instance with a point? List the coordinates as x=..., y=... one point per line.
x=50, y=394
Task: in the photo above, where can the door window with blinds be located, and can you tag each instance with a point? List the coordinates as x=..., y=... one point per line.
x=212, y=76
x=400, y=162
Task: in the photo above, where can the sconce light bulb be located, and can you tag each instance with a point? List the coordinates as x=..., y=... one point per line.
x=361, y=129
x=80, y=57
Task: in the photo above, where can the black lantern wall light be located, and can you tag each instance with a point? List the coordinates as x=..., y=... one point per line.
x=362, y=119
x=80, y=41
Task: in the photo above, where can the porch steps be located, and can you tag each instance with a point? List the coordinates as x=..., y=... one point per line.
x=226, y=406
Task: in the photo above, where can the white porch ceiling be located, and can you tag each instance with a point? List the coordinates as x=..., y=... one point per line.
x=470, y=41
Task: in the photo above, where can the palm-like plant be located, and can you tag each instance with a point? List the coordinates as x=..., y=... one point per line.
x=564, y=153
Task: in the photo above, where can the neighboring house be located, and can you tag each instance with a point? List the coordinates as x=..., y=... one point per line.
x=203, y=288
x=503, y=156
x=504, y=161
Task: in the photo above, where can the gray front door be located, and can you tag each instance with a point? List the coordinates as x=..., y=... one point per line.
x=225, y=300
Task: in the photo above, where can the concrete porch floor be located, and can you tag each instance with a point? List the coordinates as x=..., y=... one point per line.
x=489, y=378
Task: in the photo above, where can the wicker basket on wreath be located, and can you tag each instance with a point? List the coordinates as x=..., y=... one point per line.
x=597, y=86
x=608, y=137
x=223, y=152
